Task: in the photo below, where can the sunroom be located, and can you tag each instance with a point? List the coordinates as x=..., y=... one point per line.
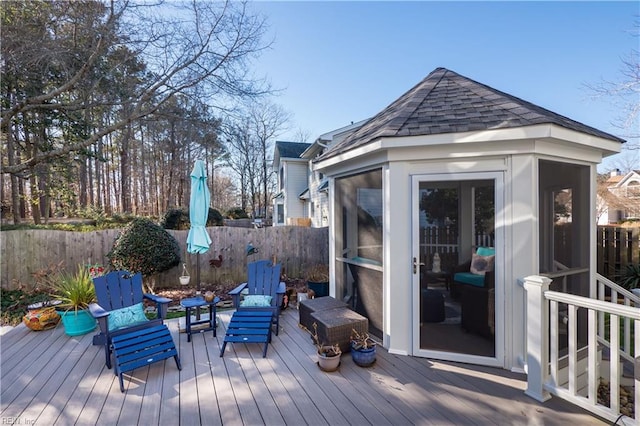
x=455, y=178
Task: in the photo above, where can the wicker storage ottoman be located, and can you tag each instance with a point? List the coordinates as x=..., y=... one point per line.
x=309, y=306
x=336, y=325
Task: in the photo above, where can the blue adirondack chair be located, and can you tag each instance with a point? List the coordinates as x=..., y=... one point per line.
x=120, y=315
x=263, y=280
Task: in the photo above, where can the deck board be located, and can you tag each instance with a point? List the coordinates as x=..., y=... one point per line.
x=62, y=385
x=27, y=362
x=49, y=378
x=224, y=401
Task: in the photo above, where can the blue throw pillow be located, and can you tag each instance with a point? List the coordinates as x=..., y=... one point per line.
x=125, y=317
x=256, y=301
x=486, y=251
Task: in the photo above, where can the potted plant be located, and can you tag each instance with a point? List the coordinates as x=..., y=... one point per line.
x=318, y=280
x=363, y=348
x=328, y=355
x=75, y=292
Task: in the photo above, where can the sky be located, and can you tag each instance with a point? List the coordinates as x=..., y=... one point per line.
x=342, y=62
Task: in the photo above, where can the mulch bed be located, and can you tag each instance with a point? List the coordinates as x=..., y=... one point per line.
x=627, y=401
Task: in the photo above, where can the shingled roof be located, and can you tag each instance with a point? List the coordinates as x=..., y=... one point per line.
x=446, y=102
x=291, y=149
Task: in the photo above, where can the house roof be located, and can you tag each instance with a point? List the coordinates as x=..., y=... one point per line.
x=446, y=102
x=291, y=149
x=325, y=140
x=614, y=179
x=631, y=178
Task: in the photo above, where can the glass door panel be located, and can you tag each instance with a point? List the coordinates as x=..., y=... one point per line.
x=455, y=219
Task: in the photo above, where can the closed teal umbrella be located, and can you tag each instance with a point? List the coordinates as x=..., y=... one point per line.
x=198, y=240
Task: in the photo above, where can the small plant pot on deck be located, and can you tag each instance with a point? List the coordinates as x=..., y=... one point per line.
x=43, y=318
x=77, y=322
x=364, y=357
x=329, y=362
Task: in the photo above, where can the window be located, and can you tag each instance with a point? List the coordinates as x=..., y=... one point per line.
x=281, y=177
x=565, y=229
x=564, y=217
x=280, y=213
x=361, y=195
x=358, y=207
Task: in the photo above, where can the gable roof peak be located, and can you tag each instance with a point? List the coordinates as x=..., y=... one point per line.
x=291, y=149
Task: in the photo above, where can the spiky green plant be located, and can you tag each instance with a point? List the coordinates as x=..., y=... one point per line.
x=75, y=291
x=631, y=276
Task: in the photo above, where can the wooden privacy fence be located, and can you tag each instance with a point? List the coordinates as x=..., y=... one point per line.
x=25, y=252
x=617, y=248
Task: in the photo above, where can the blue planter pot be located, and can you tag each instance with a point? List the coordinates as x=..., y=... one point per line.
x=363, y=357
x=77, y=323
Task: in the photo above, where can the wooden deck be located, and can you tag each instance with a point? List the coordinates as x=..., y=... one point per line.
x=49, y=378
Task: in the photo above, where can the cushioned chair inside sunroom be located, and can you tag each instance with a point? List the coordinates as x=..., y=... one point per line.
x=473, y=285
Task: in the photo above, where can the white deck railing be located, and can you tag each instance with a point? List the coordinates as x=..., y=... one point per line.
x=621, y=296
x=551, y=372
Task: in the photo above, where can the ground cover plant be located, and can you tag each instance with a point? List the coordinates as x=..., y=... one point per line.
x=13, y=304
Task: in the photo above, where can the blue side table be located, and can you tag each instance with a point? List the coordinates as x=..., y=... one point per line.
x=195, y=302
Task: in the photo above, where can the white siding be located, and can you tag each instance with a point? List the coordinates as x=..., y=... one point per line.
x=320, y=216
x=295, y=182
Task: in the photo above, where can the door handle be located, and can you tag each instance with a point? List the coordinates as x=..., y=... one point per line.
x=415, y=265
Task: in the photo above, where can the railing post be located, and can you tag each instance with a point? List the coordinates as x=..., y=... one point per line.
x=537, y=336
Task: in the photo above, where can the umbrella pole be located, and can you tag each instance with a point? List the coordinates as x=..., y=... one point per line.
x=198, y=292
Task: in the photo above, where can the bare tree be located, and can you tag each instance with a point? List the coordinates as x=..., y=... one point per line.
x=626, y=161
x=241, y=156
x=268, y=121
x=625, y=93
x=72, y=57
x=301, y=135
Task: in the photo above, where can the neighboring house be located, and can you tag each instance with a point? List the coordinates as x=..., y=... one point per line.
x=315, y=196
x=488, y=165
x=292, y=172
x=621, y=201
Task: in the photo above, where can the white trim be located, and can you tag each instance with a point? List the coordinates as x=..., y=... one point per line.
x=539, y=131
x=294, y=160
x=386, y=256
x=551, y=135
x=398, y=352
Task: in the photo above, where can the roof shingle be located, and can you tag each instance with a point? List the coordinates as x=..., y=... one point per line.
x=291, y=149
x=446, y=102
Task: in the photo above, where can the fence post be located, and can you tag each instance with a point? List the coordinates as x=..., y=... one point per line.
x=537, y=336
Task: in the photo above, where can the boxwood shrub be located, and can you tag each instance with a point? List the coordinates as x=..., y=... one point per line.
x=143, y=246
x=179, y=219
